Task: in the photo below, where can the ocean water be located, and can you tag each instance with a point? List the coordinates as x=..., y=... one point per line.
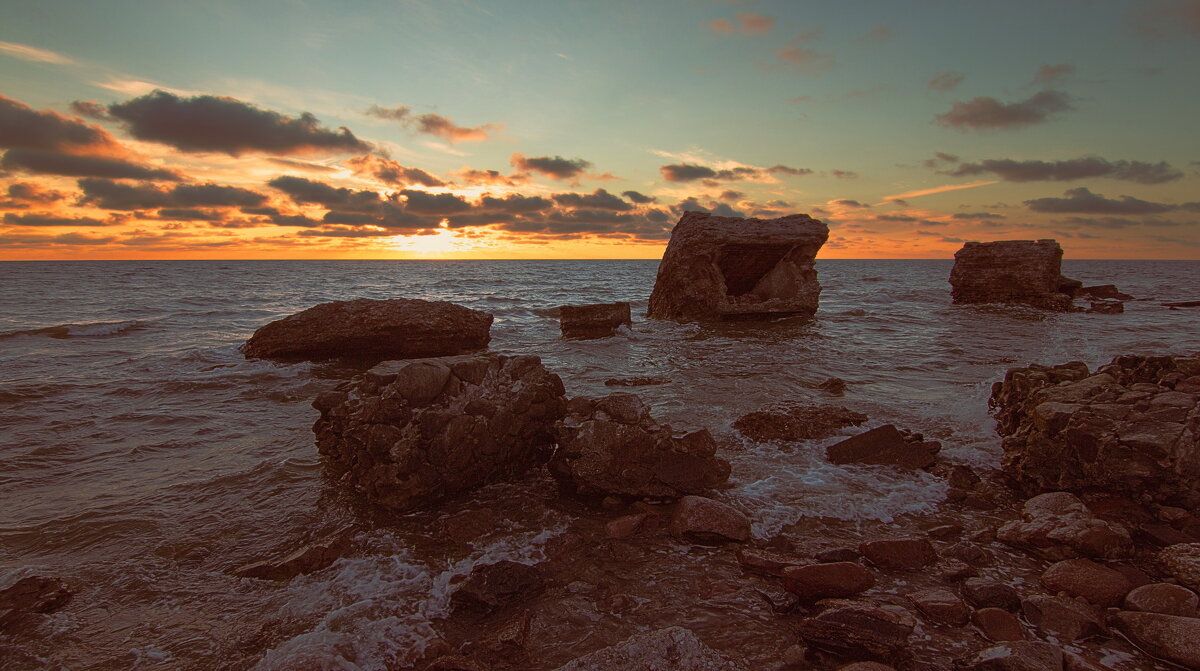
x=142, y=458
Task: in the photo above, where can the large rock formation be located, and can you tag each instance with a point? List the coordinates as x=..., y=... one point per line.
x=408, y=433
x=598, y=320
x=1130, y=428
x=396, y=328
x=724, y=268
x=1012, y=271
x=612, y=446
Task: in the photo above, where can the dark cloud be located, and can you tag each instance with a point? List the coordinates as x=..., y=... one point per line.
x=110, y=195
x=598, y=199
x=516, y=204
x=1121, y=222
x=639, y=198
x=946, y=81
x=307, y=191
x=391, y=172
x=189, y=214
x=34, y=241
x=846, y=202
x=788, y=170
x=896, y=217
x=1083, y=201
x=74, y=165
x=207, y=123
x=985, y=113
x=939, y=157
x=844, y=174
x=690, y=172
x=1051, y=74
x=473, y=176
x=443, y=127
x=90, y=109
x=397, y=113
x=554, y=167
x=969, y=216
x=686, y=172
x=23, y=195
x=1078, y=168
x=22, y=127
x=12, y=219
x=731, y=195
x=423, y=202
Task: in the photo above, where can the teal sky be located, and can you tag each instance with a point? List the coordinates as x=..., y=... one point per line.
x=633, y=86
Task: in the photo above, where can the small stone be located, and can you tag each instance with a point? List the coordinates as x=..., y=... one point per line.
x=941, y=606
x=1163, y=598
x=998, y=625
x=766, y=561
x=824, y=581
x=908, y=554
x=707, y=521
x=1018, y=656
x=954, y=570
x=988, y=593
x=969, y=553
x=1085, y=578
x=795, y=656
x=945, y=532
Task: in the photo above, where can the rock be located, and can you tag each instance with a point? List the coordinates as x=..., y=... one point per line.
x=908, y=554
x=468, y=525
x=1017, y=656
x=410, y=433
x=1162, y=597
x=705, y=520
x=954, y=570
x=857, y=632
x=1074, y=662
x=1167, y=636
x=825, y=581
x=1064, y=618
x=832, y=555
x=1123, y=430
x=598, y=320
x=1106, y=307
x=866, y=666
x=834, y=386
x=1103, y=291
x=721, y=268
x=988, y=593
x=673, y=648
x=1183, y=304
x=635, y=381
x=32, y=595
x=455, y=663
x=969, y=553
x=492, y=586
x=397, y=328
x=765, y=561
x=1182, y=562
x=945, y=532
x=313, y=557
x=795, y=657
x=1085, y=578
x=627, y=526
x=795, y=421
x=884, y=445
x=1010, y=271
x=611, y=446
x=998, y=624
x=1057, y=525
x=941, y=606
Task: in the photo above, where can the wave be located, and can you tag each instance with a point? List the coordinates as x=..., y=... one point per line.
x=86, y=330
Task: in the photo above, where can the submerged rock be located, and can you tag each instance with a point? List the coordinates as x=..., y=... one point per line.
x=722, y=268
x=674, y=648
x=1103, y=291
x=598, y=320
x=796, y=421
x=612, y=446
x=313, y=557
x=364, y=328
x=34, y=595
x=1131, y=428
x=886, y=446
x=1012, y=271
x=492, y=586
x=409, y=433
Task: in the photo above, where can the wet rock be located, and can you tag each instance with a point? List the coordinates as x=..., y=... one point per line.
x=492, y=586
x=598, y=320
x=1010, y=271
x=720, y=268
x=795, y=657
x=954, y=570
x=1058, y=525
x=858, y=632
x=1106, y=307
x=455, y=663
x=832, y=555
x=1182, y=562
x=796, y=421
x=907, y=554
x=1183, y=304
x=1165, y=598
x=707, y=521
x=628, y=526
x=1103, y=291
x=33, y=595
x=469, y=525
x=313, y=557
x=673, y=648
x=945, y=532
x=941, y=606
x=766, y=561
x=866, y=666
x=1074, y=662
x=970, y=553
x=988, y=593
x=1124, y=430
x=998, y=625
x=1085, y=578
x=1063, y=618
x=635, y=381
x=825, y=581
x=611, y=446
x=884, y=445
x=397, y=328
x=1017, y=656
x=410, y=433
x=1168, y=636
x=834, y=386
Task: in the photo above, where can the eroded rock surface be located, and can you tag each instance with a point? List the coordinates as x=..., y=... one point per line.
x=1012, y=271
x=721, y=268
x=598, y=320
x=885, y=446
x=1057, y=525
x=796, y=421
x=364, y=328
x=673, y=648
x=408, y=433
x=1130, y=428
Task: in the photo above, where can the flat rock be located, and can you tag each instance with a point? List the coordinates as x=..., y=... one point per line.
x=364, y=328
x=884, y=445
x=598, y=320
x=907, y=554
x=1017, y=656
x=1168, y=636
x=796, y=421
x=998, y=625
x=942, y=606
x=824, y=581
x=1085, y=578
x=988, y=593
x=674, y=648
x=1063, y=618
x=767, y=562
x=1057, y=525
x=857, y=632
x=1162, y=597
x=721, y=268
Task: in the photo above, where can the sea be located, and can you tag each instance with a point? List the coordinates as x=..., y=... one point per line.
x=143, y=458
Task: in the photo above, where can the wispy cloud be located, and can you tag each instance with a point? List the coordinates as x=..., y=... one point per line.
x=937, y=189
x=28, y=53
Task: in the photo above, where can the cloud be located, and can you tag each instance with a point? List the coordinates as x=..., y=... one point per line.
x=939, y=157
x=748, y=23
x=639, y=198
x=71, y=165
x=554, y=167
x=515, y=203
x=22, y=127
x=805, y=61
x=731, y=196
x=90, y=109
x=423, y=202
x=391, y=172
x=686, y=172
x=971, y=216
x=397, y=113
x=846, y=202
x=308, y=191
x=1083, y=201
x=206, y=123
x=985, y=113
x=22, y=195
x=946, y=81
x=301, y=165
x=1010, y=170
x=878, y=34
x=690, y=172
x=110, y=195
x=434, y=124
x=1160, y=18
x=1121, y=222
x=936, y=190
x=598, y=199
x=844, y=174
x=472, y=176
x=1052, y=74
x=34, y=54
x=11, y=219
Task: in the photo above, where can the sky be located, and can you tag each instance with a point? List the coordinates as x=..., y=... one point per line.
x=568, y=129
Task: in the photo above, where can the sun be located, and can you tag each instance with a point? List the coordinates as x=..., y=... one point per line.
x=439, y=243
